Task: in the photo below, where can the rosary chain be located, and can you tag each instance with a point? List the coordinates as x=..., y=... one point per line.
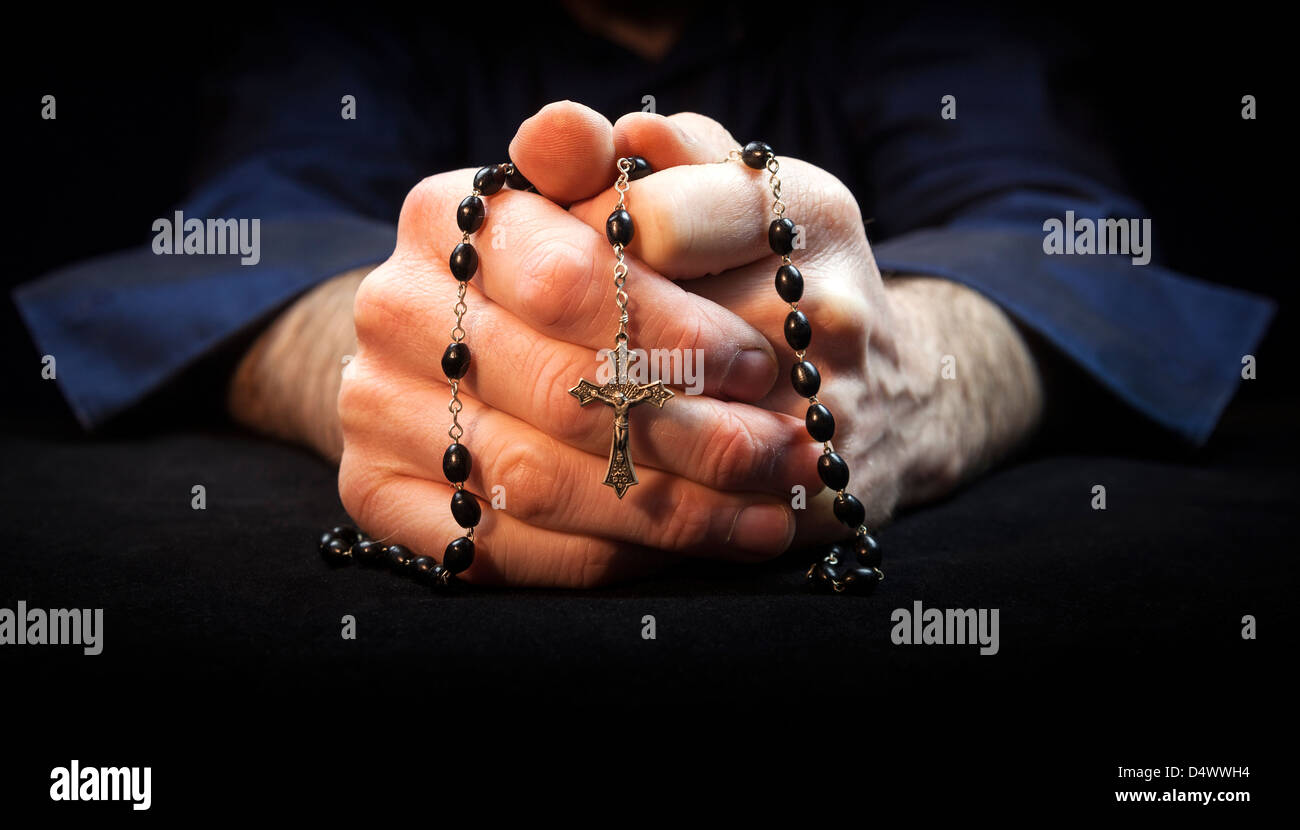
x=759, y=156
x=620, y=266
x=457, y=336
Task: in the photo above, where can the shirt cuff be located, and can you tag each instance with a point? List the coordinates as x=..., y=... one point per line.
x=1168, y=345
x=122, y=326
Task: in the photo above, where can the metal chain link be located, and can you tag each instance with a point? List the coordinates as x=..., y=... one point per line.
x=620, y=267
x=774, y=167
x=454, y=408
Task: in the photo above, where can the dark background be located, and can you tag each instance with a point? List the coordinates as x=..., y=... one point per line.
x=1143, y=664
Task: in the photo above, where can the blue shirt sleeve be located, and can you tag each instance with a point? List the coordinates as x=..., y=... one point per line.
x=967, y=199
x=325, y=192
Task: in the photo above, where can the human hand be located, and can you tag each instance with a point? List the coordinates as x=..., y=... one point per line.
x=909, y=430
x=715, y=470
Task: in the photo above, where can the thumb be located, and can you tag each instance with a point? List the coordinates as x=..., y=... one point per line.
x=670, y=141
x=567, y=151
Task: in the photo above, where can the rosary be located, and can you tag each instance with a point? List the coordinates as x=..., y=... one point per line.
x=850, y=566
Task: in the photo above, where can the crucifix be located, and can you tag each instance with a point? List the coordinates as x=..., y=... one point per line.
x=622, y=394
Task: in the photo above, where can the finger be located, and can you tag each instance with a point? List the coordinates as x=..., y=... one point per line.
x=835, y=308
x=567, y=151
x=556, y=275
x=673, y=140
x=706, y=218
x=724, y=446
x=407, y=511
x=525, y=470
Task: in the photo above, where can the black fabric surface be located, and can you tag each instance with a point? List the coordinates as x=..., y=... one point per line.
x=1157, y=582
x=223, y=664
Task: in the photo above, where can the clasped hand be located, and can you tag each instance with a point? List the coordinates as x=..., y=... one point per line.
x=721, y=471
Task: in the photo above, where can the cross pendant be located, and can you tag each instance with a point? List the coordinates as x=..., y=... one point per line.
x=621, y=394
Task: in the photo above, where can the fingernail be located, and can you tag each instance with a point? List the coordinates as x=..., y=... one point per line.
x=763, y=529
x=750, y=375
x=686, y=137
x=796, y=463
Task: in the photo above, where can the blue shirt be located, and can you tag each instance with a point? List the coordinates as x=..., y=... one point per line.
x=965, y=199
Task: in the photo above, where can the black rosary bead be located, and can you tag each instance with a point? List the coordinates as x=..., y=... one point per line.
x=455, y=361
x=465, y=509
x=805, y=378
x=333, y=548
x=399, y=556
x=820, y=423
x=516, y=179
x=837, y=569
x=640, y=168
x=780, y=235
x=849, y=510
x=867, y=550
x=464, y=261
x=459, y=555
x=789, y=283
x=490, y=179
x=798, y=331
x=456, y=463
x=833, y=470
x=756, y=154
x=470, y=214
x=618, y=227
x=838, y=572
x=368, y=552
x=861, y=580
x=347, y=533
x=423, y=566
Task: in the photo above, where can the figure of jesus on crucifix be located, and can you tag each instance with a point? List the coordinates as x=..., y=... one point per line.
x=622, y=394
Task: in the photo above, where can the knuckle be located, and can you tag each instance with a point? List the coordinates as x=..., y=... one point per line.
x=360, y=485
x=393, y=299
x=353, y=401
x=559, y=274
x=588, y=563
x=841, y=315
x=368, y=399
x=732, y=452
x=427, y=205
x=528, y=470
x=688, y=524
x=375, y=308
x=826, y=201
x=689, y=331
x=555, y=376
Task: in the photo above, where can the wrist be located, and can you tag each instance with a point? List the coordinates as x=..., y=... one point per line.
x=286, y=385
x=985, y=392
